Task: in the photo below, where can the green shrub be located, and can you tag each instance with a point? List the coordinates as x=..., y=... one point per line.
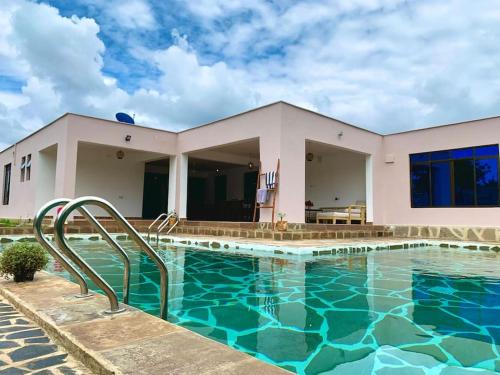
x=8, y=223
x=22, y=260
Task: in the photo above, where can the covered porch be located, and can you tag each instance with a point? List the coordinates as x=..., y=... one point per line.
x=336, y=184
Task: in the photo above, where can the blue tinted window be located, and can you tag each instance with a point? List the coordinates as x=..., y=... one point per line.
x=440, y=155
x=441, y=184
x=487, y=182
x=419, y=157
x=420, y=196
x=464, y=182
x=461, y=153
x=487, y=150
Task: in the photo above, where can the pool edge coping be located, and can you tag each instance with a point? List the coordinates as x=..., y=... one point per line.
x=95, y=360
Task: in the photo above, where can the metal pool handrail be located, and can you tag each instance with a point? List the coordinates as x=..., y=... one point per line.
x=163, y=225
x=154, y=222
x=133, y=234
x=52, y=250
x=105, y=234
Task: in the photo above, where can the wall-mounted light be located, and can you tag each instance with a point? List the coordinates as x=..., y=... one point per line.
x=120, y=154
x=340, y=134
x=309, y=156
x=128, y=137
x=250, y=165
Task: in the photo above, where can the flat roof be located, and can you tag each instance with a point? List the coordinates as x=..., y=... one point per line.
x=241, y=114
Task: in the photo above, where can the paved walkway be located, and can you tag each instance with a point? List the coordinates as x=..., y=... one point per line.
x=26, y=349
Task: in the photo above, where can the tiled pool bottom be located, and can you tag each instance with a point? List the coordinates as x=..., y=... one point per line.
x=418, y=311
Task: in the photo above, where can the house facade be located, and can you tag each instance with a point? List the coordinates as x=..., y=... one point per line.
x=446, y=175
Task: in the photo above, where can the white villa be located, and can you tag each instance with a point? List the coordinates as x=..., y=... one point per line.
x=445, y=175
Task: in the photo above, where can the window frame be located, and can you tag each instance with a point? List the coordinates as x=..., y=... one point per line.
x=27, y=174
x=451, y=160
x=7, y=171
x=23, y=168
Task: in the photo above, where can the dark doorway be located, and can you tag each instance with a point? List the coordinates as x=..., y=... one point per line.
x=220, y=188
x=155, y=199
x=250, y=186
x=249, y=191
x=197, y=187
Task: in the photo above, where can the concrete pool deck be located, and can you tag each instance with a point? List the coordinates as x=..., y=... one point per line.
x=133, y=342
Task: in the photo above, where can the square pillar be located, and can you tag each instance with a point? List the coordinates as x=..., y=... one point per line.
x=293, y=178
x=269, y=154
x=66, y=164
x=369, y=187
x=177, y=185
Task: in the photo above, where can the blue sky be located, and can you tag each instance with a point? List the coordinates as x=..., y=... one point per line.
x=386, y=65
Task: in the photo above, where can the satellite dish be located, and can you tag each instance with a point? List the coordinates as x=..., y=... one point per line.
x=123, y=117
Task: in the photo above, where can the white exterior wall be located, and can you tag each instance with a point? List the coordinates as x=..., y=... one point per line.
x=121, y=182
x=282, y=131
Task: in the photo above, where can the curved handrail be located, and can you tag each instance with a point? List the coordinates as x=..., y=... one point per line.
x=165, y=224
x=113, y=212
x=111, y=242
x=172, y=227
x=37, y=225
x=153, y=223
x=39, y=235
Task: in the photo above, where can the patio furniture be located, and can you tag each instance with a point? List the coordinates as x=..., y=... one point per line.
x=311, y=214
x=354, y=212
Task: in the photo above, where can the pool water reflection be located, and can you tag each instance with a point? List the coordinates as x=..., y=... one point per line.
x=428, y=308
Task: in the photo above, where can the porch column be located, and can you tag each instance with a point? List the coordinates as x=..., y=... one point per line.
x=172, y=183
x=369, y=187
x=293, y=178
x=177, y=189
x=269, y=153
x=65, y=181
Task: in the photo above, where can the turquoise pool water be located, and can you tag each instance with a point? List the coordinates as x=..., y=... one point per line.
x=418, y=311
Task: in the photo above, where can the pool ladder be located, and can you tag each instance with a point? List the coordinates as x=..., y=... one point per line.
x=65, y=253
x=165, y=223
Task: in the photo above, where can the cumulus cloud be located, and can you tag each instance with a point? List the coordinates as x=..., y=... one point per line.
x=387, y=65
x=132, y=14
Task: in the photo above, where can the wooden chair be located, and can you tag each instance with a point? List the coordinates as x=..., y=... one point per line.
x=354, y=212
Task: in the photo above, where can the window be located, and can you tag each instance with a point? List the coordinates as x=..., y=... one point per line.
x=465, y=177
x=28, y=167
x=23, y=168
x=6, y=184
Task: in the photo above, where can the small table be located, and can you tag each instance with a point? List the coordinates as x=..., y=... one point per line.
x=311, y=214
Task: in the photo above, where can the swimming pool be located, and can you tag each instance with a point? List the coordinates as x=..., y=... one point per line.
x=422, y=309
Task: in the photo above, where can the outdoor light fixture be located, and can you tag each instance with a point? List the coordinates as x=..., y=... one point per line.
x=341, y=133
x=120, y=154
x=309, y=156
x=250, y=165
x=128, y=137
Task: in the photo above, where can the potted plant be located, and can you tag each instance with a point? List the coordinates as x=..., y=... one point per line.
x=173, y=218
x=22, y=260
x=281, y=225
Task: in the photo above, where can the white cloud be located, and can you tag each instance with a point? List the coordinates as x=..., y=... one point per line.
x=384, y=64
x=132, y=14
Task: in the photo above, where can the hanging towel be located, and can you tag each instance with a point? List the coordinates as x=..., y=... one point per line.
x=261, y=196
